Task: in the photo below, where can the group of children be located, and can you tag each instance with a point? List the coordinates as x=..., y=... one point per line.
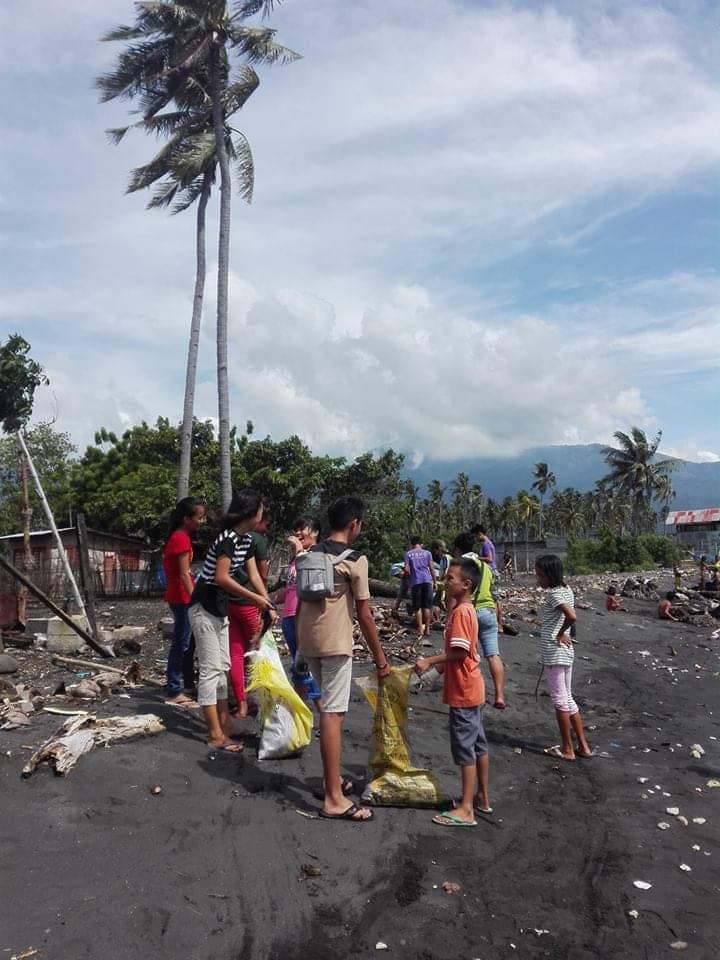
x=220, y=618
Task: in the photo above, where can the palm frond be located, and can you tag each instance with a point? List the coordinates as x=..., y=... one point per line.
x=115, y=134
x=158, y=167
x=241, y=89
x=241, y=153
x=249, y=8
x=190, y=194
x=163, y=195
x=258, y=45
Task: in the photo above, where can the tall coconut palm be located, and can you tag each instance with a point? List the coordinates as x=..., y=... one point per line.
x=527, y=507
x=436, y=493
x=636, y=472
x=170, y=42
x=545, y=480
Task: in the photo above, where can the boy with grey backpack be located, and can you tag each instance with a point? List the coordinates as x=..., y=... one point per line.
x=332, y=585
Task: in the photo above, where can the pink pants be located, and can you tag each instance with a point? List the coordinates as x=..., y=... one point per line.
x=244, y=623
x=559, y=681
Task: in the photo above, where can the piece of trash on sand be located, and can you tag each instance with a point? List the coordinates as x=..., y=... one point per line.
x=65, y=712
x=696, y=751
x=308, y=816
x=310, y=870
x=678, y=945
x=685, y=868
x=683, y=820
x=380, y=945
x=450, y=887
x=517, y=750
x=539, y=932
x=696, y=846
x=24, y=954
x=642, y=884
x=713, y=783
x=156, y=790
x=699, y=820
x=634, y=914
x=643, y=779
x=673, y=811
x=78, y=735
x=663, y=826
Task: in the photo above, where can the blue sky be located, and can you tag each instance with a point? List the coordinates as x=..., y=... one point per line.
x=477, y=227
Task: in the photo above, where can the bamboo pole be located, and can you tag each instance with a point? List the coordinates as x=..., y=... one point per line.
x=53, y=527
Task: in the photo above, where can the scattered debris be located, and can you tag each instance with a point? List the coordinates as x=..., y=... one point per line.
x=673, y=811
x=685, y=868
x=697, y=751
x=380, y=945
x=642, y=885
x=713, y=783
x=156, y=790
x=663, y=825
x=678, y=945
x=310, y=870
x=78, y=735
x=450, y=887
x=634, y=914
x=699, y=820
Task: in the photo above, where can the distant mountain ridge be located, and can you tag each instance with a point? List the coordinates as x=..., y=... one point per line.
x=579, y=465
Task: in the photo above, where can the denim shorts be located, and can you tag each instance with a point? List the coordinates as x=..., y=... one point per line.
x=422, y=596
x=488, y=632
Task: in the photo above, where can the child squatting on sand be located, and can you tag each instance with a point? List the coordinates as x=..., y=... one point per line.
x=557, y=615
x=464, y=693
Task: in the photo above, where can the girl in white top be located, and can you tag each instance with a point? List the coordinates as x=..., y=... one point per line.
x=557, y=615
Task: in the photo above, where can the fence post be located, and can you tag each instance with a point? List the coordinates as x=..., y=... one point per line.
x=86, y=577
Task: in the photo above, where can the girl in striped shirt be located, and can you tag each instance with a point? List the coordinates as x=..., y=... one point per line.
x=557, y=615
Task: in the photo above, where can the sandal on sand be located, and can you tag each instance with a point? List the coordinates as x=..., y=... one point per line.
x=183, y=700
x=230, y=746
x=449, y=820
x=347, y=787
x=349, y=814
x=485, y=811
x=557, y=753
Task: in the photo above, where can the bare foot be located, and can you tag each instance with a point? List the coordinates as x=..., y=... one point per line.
x=559, y=754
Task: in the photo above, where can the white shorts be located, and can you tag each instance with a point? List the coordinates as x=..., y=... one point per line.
x=334, y=677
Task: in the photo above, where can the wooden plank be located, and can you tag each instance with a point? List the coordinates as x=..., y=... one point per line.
x=37, y=592
x=86, y=577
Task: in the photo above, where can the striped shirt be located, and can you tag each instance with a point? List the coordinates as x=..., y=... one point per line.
x=207, y=592
x=551, y=619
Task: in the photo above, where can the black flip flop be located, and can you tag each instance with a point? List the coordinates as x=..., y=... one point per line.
x=348, y=814
x=347, y=787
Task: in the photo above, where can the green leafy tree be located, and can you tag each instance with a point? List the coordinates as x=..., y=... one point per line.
x=527, y=507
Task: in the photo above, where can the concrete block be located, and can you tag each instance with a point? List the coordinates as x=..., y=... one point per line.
x=36, y=625
x=61, y=638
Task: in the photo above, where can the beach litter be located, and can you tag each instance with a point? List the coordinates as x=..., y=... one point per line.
x=78, y=735
x=642, y=884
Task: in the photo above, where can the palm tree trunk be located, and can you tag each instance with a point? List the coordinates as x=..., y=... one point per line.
x=192, y=358
x=527, y=548
x=222, y=279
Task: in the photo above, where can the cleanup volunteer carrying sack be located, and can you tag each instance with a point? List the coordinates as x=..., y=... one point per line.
x=395, y=782
x=285, y=719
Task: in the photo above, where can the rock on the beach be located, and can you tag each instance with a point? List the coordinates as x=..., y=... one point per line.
x=8, y=664
x=699, y=820
x=673, y=811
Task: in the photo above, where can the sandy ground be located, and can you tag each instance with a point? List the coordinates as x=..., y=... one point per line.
x=94, y=866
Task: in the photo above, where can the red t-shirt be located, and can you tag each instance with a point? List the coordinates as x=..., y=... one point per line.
x=464, y=685
x=178, y=544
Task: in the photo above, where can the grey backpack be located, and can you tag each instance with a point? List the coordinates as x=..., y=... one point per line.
x=316, y=574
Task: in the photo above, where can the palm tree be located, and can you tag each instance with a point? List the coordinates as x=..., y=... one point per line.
x=436, y=492
x=635, y=472
x=545, y=480
x=461, y=494
x=184, y=171
x=527, y=507
x=171, y=44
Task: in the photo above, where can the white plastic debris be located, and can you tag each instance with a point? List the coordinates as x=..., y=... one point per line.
x=713, y=783
x=380, y=945
x=696, y=846
x=685, y=868
x=700, y=820
x=696, y=751
x=683, y=820
x=678, y=945
x=643, y=779
x=642, y=884
x=673, y=811
x=634, y=914
x=663, y=826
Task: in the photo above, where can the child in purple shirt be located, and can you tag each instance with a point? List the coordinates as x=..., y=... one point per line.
x=420, y=572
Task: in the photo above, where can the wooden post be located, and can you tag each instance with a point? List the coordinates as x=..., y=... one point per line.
x=86, y=577
x=37, y=592
x=26, y=513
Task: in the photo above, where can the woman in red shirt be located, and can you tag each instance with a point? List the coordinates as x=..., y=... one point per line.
x=187, y=517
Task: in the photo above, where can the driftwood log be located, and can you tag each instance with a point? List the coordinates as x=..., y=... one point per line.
x=78, y=735
x=131, y=673
x=381, y=588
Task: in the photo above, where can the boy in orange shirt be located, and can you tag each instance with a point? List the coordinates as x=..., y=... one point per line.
x=464, y=693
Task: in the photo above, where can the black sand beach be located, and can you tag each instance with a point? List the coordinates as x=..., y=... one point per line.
x=94, y=865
